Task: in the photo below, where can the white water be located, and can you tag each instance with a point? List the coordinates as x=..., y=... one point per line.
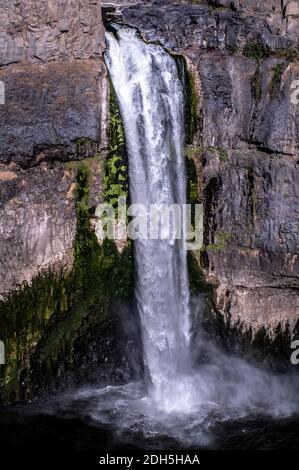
x=151, y=100
x=186, y=401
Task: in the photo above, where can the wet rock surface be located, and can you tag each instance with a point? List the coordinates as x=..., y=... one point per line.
x=244, y=65
x=109, y=354
x=251, y=236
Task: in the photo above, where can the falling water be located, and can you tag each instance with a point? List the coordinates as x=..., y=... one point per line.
x=222, y=403
x=151, y=99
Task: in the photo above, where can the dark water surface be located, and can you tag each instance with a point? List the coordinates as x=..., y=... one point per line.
x=118, y=418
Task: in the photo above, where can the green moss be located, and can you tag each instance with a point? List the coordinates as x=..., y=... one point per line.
x=88, y=162
x=222, y=240
x=193, y=151
x=24, y=316
x=255, y=50
x=192, y=118
x=192, y=189
x=197, y=282
x=83, y=141
x=223, y=155
x=115, y=182
x=291, y=54
x=276, y=80
x=216, y=247
x=246, y=250
x=43, y=319
x=256, y=85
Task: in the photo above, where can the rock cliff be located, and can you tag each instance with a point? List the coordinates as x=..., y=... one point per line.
x=242, y=59
x=53, y=116
x=55, y=95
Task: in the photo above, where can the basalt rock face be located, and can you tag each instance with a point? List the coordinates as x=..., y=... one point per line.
x=55, y=98
x=38, y=221
x=245, y=101
x=51, y=66
x=243, y=72
x=50, y=110
x=50, y=30
x=53, y=118
x=198, y=27
x=281, y=16
x=251, y=236
x=246, y=150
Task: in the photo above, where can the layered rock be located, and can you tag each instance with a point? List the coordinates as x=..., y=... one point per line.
x=281, y=15
x=55, y=100
x=54, y=103
x=49, y=30
x=251, y=236
x=50, y=111
x=37, y=222
x=188, y=27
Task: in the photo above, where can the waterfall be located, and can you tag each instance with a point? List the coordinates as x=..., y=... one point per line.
x=151, y=100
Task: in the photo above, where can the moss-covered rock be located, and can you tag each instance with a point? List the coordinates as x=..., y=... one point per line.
x=41, y=321
x=255, y=50
x=275, y=83
x=116, y=165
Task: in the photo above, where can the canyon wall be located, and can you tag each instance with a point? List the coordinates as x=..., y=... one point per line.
x=53, y=119
x=55, y=93
x=242, y=58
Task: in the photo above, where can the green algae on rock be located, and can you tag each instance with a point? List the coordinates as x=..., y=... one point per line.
x=116, y=164
x=40, y=321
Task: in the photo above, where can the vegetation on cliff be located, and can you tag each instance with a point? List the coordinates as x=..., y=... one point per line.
x=41, y=321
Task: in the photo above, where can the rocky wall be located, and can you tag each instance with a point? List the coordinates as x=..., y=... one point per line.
x=245, y=150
